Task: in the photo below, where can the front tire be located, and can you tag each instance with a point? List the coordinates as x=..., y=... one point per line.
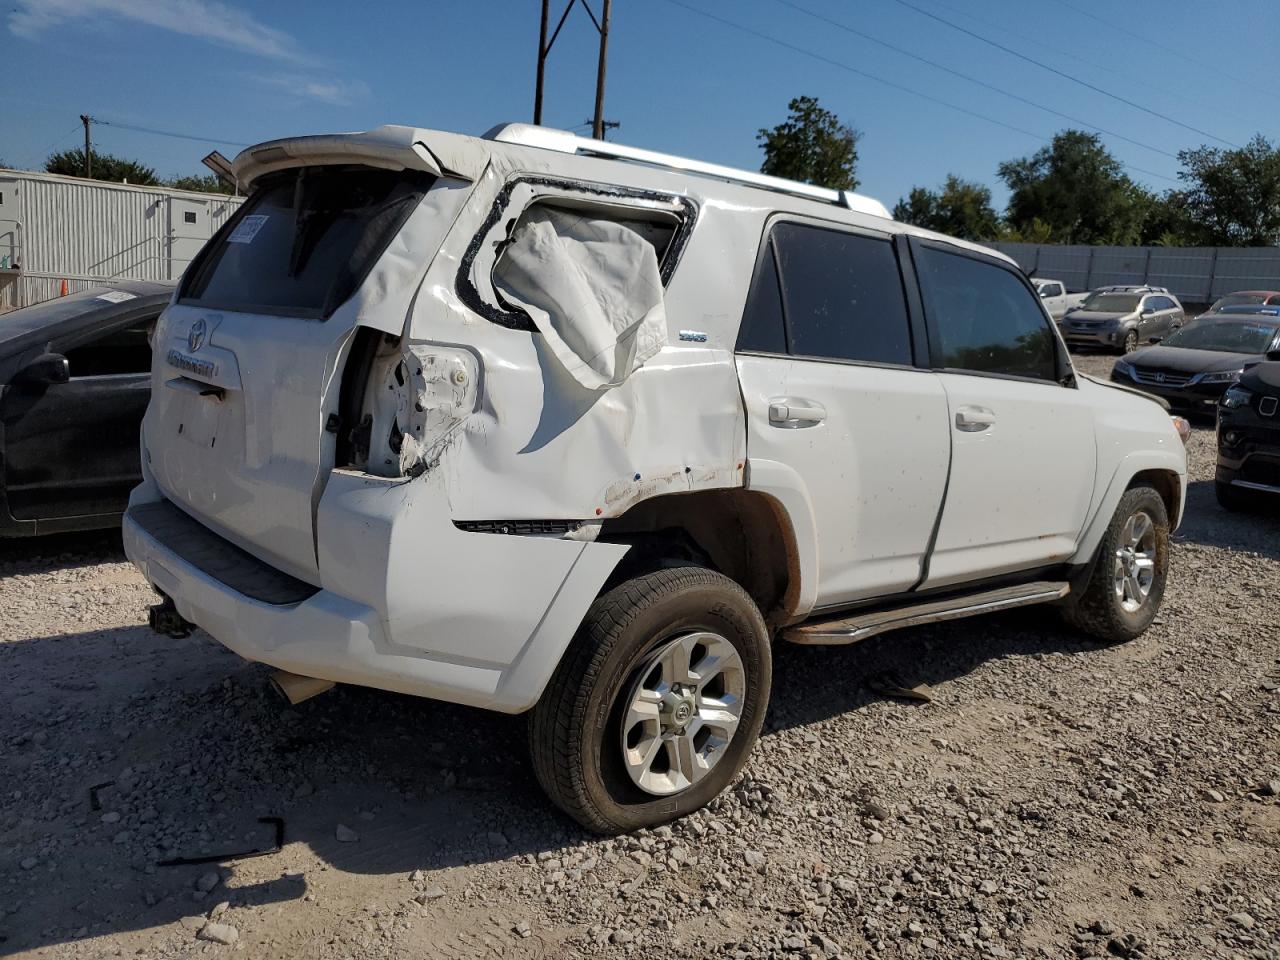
x=1125, y=587
x=1130, y=342
x=657, y=702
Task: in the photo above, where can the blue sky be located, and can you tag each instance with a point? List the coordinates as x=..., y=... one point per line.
x=678, y=81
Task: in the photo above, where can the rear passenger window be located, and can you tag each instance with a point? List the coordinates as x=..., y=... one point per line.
x=984, y=317
x=763, y=330
x=842, y=297
x=126, y=350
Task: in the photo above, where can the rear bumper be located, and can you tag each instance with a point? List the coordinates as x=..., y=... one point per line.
x=407, y=602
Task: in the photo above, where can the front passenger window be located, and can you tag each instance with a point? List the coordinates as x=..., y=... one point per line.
x=985, y=318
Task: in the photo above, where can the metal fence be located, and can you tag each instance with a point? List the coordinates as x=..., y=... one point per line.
x=1193, y=274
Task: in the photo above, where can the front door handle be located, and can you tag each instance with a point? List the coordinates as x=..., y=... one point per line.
x=974, y=419
x=795, y=412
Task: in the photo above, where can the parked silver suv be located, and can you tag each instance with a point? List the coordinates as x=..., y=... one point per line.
x=1123, y=318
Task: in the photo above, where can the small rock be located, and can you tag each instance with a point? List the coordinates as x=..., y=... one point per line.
x=915, y=928
x=29, y=863
x=523, y=930
x=222, y=933
x=876, y=837
x=985, y=826
x=1270, y=789
x=1242, y=920
x=417, y=876
x=621, y=936
x=754, y=858
x=1213, y=796
x=111, y=816
x=433, y=892
x=207, y=881
x=124, y=836
x=988, y=887
x=219, y=909
x=345, y=834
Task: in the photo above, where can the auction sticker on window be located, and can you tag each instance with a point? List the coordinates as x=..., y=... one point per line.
x=116, y=296
x=247, y=228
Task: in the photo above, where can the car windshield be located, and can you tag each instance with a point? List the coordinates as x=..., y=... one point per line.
x=1238, y=300
x=1111, y=302
x=1226, y=336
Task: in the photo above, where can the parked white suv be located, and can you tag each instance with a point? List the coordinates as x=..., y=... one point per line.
x=537, y=423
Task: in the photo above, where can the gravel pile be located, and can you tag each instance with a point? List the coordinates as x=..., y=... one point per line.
x=1054, y=799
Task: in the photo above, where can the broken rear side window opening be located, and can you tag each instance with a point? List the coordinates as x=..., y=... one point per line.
x=304, y=240
x=664, y=220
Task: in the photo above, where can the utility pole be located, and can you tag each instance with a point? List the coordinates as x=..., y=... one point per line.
x=597, y=127
x=88, y=147
x=598, y=124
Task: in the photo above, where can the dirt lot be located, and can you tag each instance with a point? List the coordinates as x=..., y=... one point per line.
x=1055, y=799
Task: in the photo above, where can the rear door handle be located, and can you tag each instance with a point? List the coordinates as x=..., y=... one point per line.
x=974, y=419
x=795, y=412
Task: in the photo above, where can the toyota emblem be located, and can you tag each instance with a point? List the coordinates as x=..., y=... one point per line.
x=196, y=335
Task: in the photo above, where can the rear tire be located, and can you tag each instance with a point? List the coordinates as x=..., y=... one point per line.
x=1130, y=342
x=599, y=753
x=1124, y=590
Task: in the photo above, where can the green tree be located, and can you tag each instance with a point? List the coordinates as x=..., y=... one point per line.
x=1076, y=187
x=961, y=208
x=207, y=183
x=1233, y=196
x=811, y=146
x=103, y=167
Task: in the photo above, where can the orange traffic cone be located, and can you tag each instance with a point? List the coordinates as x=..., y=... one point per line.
x=63, y=293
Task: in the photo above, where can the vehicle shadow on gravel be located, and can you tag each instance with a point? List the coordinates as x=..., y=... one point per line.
x=1208, y=524
x=60, y=550
x=197, y=749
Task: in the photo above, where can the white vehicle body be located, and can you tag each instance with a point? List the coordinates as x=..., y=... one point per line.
x=459, y=565
x=1054, y=296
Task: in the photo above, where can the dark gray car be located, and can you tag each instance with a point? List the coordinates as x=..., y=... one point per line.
x=1122, y=320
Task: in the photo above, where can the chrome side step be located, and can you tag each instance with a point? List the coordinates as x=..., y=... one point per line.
x=850, y=629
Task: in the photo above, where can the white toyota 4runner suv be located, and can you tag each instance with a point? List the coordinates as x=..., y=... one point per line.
x=537, y=423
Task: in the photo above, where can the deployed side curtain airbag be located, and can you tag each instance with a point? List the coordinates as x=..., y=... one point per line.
x=592, y=288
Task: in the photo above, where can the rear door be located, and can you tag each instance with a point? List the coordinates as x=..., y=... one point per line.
x=1022, y=437
x=825, y=360
x=247, y=356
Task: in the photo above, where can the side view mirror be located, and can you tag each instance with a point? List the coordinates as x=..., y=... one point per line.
x=46, y=368
x=1155, y=340
x=1274, y=356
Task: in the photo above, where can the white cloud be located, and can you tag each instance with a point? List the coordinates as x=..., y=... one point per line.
x=332, y=90
x=206, y=19
x=203, y=19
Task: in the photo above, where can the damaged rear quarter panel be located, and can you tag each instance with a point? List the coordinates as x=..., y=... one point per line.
x=539, y=445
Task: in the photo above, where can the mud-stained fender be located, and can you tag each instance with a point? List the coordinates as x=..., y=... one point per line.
x=1139, y=461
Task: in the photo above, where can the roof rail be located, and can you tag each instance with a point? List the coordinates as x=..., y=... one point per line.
x=549, y=138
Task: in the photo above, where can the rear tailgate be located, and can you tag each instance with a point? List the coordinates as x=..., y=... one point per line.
x=246, y=359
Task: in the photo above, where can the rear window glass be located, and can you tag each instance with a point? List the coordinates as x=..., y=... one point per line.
x=304, y=240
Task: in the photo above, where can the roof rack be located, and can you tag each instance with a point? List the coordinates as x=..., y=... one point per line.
x=562, y=141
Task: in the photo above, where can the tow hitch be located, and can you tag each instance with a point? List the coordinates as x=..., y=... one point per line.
x=164, y=618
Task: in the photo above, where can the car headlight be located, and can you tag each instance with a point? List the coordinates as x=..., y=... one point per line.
x=1220, y=376
x=1123, y=367
x=1236, y=397
x=1183, y=426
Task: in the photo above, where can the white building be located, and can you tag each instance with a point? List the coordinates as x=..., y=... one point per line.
x=55, y=229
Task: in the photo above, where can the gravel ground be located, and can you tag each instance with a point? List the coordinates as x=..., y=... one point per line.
x=1055, y=799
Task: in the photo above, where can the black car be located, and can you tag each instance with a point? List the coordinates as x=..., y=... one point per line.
x=1249, y=438
x=75, y=378
x=1195, y=365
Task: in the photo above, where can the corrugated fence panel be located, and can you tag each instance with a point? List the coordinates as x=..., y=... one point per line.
x=1246, y=268
x=1070, y=264
x=1118, y=265
x=1186, y=271
x=1193, y=274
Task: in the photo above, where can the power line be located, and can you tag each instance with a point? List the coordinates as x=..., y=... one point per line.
x=1149, y=39
x=167, y=133
x=877, y=79
x=965, y=76
x=1061, y=73
x=1078, y=58
x=846, y=67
